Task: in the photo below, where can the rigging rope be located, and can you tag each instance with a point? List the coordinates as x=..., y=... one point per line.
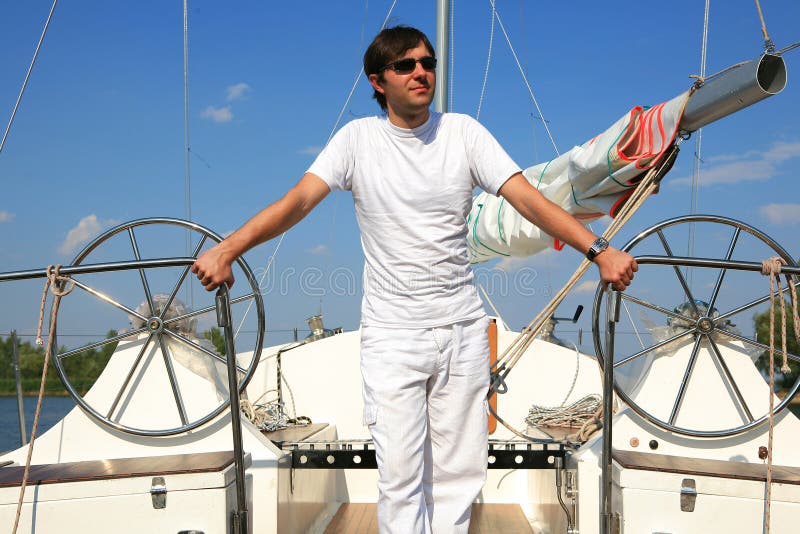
x=524, y=77
x=27, y=76
x=187, y=176
x=698, y=141
x=772, y=268
x=769, y=46
x=355, y=81
x=60, y=286
x=451, y=46
x=488, y=63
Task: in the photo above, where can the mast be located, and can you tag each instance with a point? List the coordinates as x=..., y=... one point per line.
x=440, y=103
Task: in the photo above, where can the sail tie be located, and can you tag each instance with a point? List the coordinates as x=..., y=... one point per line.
x=60, y=286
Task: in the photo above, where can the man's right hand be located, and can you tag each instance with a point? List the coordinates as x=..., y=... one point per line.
x=213, y=268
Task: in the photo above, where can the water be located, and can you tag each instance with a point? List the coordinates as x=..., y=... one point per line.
x=53, y=410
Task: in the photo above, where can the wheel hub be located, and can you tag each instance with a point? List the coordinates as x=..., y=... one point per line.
x=705, y=325
x=155, y=325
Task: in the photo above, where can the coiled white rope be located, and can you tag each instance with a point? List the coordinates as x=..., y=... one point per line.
x=578, y=414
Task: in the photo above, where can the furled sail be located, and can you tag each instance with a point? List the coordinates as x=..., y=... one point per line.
x=589, y=181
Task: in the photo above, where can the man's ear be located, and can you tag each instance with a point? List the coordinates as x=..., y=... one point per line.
x=375, y=81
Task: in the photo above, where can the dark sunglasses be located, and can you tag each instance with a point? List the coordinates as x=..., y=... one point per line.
x=407, y=65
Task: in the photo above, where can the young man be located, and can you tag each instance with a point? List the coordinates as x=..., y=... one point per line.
x=424, y=349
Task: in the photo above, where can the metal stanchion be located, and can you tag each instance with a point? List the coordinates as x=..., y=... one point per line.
x=612, y=313
x=23, y=438
x=239, y=516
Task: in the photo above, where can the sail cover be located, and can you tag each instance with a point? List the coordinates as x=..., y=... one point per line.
x=589, y=181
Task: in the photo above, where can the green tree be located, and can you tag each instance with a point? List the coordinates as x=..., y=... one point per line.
x=216, y=338
x=762, y=334
x=82, y=368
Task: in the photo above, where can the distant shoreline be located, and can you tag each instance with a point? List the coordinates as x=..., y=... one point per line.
x=35, y=394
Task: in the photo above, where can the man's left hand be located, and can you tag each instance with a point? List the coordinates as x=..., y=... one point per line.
x=616, y=268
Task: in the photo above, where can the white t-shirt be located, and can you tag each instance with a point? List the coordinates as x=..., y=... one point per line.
x=413, y=191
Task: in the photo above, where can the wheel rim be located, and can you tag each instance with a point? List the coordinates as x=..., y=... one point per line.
x=701, y=324
x=162, y=328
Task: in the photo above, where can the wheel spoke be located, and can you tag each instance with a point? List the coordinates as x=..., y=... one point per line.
x=109, y=300
x=752, y=304
x=201, y=348
x=174, y=292
x=657, y=308
x=685, y=382
x=654, y=347
x=173, y=381
x=142, y=274
x=722, y=272
x=128, y=378
x=681, y=279
x=758, y=344
x=98, y=344
x=206, y=310
x=742, y=403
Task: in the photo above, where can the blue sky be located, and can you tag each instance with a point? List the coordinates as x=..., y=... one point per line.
x=98, y=139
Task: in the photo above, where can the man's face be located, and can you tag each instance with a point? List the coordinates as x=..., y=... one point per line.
x=407, y=94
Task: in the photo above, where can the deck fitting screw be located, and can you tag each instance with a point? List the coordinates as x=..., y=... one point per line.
x=653, y=444
x=763, y=452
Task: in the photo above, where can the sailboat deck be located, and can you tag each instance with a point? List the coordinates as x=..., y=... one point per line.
x=362, y=518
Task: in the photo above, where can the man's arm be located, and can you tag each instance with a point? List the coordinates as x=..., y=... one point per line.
x=616, y=267
x=213, y=267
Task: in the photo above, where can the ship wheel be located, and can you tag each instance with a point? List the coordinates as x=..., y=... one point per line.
x=686, y=366
x=161, y=348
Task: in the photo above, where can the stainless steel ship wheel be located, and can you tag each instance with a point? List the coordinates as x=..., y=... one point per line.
x=161, y=345
x=684, y=343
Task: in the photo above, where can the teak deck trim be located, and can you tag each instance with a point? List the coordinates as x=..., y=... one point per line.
x=703, y=467
x=176, y=464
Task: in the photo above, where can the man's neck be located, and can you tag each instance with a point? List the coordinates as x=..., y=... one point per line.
x=408, y=121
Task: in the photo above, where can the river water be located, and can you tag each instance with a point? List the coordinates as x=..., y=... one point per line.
x=53, y=410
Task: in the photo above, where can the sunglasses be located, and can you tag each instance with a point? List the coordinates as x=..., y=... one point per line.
x=407, y=65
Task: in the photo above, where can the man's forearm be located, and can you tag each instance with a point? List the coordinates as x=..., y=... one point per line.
x=548, y=216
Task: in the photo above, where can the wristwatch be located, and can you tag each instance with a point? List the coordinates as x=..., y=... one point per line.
x=596, y=248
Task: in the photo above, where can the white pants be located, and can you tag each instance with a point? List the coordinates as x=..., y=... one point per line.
x=425, y=405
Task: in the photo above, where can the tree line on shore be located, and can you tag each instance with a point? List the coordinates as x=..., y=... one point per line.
x=82, y=368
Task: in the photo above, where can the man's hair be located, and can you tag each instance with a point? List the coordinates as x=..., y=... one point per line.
x=389, y=45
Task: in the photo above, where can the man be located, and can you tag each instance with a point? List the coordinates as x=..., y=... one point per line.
x=424, y=349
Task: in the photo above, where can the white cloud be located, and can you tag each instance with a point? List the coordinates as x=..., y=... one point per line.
x=587, y=286
x=89, y=227
x=748, y=166
x=238, y=91
x=223, y=114
x=311, y=150
x=546, y=259
x=781, y=214
x=319, y=250
x=6, y=216
x=510, y=263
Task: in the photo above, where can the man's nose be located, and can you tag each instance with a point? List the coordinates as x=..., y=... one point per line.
x=419, y=70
